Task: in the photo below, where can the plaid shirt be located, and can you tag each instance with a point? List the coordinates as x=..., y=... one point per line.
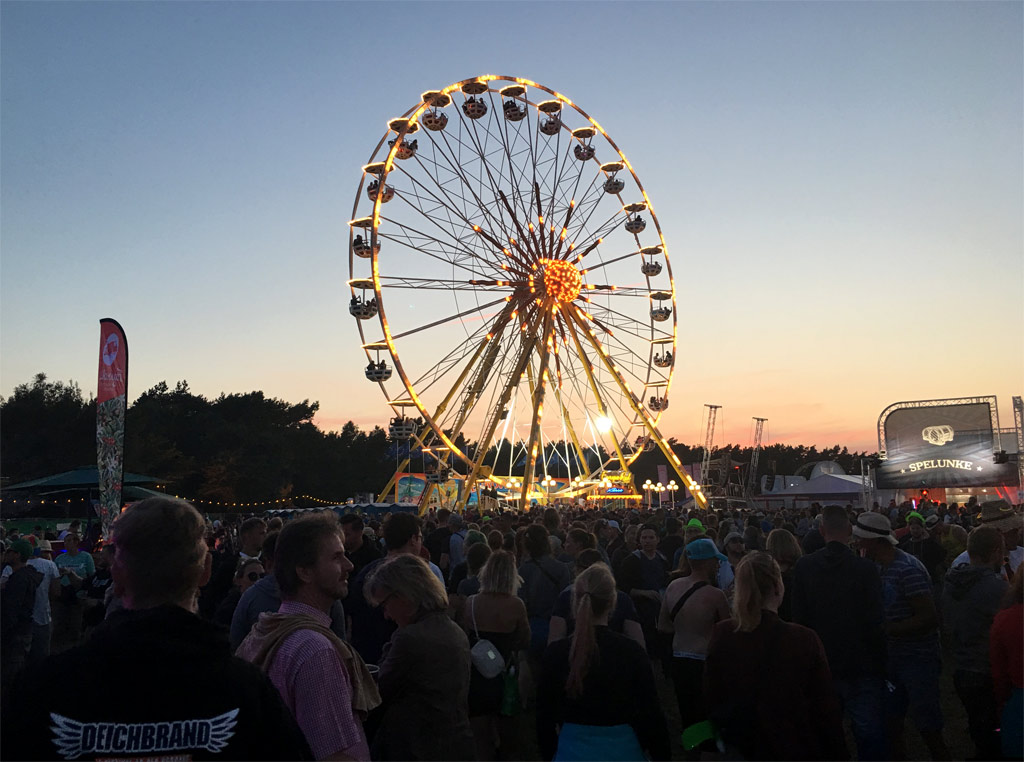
x=311, y=679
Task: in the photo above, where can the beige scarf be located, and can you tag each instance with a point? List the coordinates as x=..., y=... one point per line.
x=270, y=632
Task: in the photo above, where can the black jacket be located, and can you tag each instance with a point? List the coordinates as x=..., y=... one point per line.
x=839, y=595
x=618, y=689
x=154, y=683
x=971, y=598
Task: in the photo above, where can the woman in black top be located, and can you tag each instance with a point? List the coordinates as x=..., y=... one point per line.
x=498, y=615
x=597, y=699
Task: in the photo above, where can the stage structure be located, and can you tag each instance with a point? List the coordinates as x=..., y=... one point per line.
x=943, y=443
x=512, y=289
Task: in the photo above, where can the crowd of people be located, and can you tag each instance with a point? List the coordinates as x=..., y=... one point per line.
x=464, y=636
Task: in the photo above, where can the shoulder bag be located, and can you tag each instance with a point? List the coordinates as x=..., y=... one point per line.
x=486, y=658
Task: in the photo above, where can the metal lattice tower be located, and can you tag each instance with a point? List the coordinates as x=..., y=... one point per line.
x=1018, y=424
x=709, y=438
x=756, y=455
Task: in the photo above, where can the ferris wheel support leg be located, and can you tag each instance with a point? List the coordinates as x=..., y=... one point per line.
x=673, y=459
x=570, y=318
x=525, y=352
x=538, y=406
x=493, y=340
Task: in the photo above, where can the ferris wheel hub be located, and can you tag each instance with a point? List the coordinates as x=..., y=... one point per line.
x=560, y=280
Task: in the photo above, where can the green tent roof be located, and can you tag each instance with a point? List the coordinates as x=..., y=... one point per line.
x=84, y=477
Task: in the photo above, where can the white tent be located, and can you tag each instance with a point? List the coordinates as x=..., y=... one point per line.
x=827, y=488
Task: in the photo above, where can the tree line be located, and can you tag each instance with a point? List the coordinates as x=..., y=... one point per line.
x=253, y=448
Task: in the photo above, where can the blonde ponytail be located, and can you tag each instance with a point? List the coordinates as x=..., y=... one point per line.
x=593, y=596
x=757, y=576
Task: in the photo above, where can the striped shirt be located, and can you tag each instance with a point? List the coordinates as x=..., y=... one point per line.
x=312, y=680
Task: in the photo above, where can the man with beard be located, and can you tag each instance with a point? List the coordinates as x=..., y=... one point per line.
x=321, y=679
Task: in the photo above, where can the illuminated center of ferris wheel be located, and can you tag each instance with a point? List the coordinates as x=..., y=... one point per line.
x=559, y=280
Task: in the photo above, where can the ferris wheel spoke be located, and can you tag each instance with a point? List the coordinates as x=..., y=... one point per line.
x=621, y=290
x=600, y=233
x=452, y=161
x=494, y=416
x=588, y=203
x=450, y=318
x=448, y=203
x=613, y=330
x=557, y=185
x=619, y=320
x=458, y=167
x=493, y=185
x=461, y=252
x=441, y=205
x=490, y=368
x=484, y=354
x=510, y=153
x=442, y=367
x=635, y=402
x=621, y=419
x=419, y=246
x=390, y=282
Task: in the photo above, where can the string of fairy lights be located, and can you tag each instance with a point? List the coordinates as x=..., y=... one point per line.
x=193, y=500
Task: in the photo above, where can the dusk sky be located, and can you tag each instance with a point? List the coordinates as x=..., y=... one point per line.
x=840, y=186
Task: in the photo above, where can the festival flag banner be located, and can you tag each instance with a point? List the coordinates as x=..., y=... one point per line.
x=111, y=407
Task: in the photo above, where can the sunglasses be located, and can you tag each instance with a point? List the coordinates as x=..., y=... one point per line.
x=253, y=576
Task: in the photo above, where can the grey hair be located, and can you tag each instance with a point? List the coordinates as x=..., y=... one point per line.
x=410, y=577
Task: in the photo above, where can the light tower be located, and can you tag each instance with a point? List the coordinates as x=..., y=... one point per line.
x=756, y=455
x=709, y=439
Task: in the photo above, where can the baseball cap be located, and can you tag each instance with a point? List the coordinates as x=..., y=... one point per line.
x=915, y=515
x=613, y=523
x=702, y=549
x=694, y=523
x=23, y=548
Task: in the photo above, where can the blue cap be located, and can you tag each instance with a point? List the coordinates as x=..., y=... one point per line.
x=703, y=549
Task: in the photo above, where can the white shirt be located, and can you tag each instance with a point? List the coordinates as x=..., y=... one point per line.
x=1016, y=556
x=50, y=572
x=726, y=575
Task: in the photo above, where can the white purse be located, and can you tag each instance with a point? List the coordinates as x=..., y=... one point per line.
x=486, y=658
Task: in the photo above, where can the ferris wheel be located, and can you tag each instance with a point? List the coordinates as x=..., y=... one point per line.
x=512, y=286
